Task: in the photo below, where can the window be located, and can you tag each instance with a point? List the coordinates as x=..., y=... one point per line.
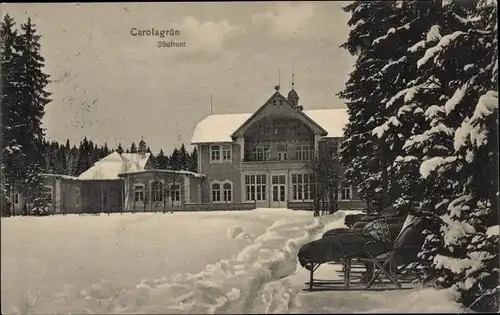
x=335, y=150
x=221, y=191
x=215, y=192
x=226, y=153
x=345, y=193
x=47, y=194
x=220, y=153
x=332, y=148
x=77, y=195
x=157, y=191
x=302, y=186
x=215, y=153
x=282, y=152
x=255, y=187
x=15, y=198
x=304, y=152
x=227, y=189
x=175, y=192
x=139, y=193
x=294, y=128
x=261, y=153
x=280, y=126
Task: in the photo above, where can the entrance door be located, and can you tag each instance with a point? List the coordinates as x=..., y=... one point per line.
x=278, y=191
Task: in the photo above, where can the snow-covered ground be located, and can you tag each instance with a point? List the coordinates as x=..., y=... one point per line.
x=197, y=262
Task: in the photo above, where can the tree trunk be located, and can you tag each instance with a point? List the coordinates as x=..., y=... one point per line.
x=332, y=203
x=384, y=182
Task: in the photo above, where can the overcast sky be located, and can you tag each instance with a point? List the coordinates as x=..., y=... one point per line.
x=114, y=87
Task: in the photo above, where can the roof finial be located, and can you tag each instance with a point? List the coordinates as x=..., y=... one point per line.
x=293, y=76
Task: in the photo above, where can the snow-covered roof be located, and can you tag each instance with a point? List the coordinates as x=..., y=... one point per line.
x=141, y=160
x=332, y=120
x=59, y=176
x=110, y=166
x=218, y=128
x=181, y=172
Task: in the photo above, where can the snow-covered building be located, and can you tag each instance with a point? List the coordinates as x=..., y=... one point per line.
x=116, y=183
x=62, y=193
x=129, y=182
x=262, y=158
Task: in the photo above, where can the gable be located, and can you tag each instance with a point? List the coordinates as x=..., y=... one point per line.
x=278, y=105
x=219, y=128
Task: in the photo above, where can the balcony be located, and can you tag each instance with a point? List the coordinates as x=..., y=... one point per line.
x=272, y=164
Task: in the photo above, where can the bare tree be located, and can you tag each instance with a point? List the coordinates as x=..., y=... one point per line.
x=326, y=171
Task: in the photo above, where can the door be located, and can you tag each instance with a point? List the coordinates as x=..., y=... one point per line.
x=278, y=191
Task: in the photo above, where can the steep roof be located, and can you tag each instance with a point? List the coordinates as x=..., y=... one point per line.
x=277, y=96
x=219, y=128
x=113, y=164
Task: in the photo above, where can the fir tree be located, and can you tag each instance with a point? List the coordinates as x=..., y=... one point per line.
x=133, y=148
x=160, y=161
x=119, y=149
x=193, y=165
x=29, y=98
x=367, y=159
x=11, y=122
x=462, y=153
x=184, y=158
x=449, y=99
x=174, y=161
x=74, y=154
x=84, y=157
x=105, y=150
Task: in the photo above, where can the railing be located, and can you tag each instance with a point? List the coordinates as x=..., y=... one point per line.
x=230, y=206
x=341, y=205
x=273, y=164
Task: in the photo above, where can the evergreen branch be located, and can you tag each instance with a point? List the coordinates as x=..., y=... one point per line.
x=491, y=292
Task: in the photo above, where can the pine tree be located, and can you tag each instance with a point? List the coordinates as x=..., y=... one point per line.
x=174, y=161
x=94, y=155
x=184, y=158
x=368, y=159
x=462, y=153
x=133, y=148
x=443, y=166
x=105, y=150
x=11, y=116
x=31, y=98
x=119, y=149
x=193, y=166
x=74, y=154
x=160, y=161
x=84, y=156
x=61, y=156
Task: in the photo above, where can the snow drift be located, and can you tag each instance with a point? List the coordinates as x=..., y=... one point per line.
x=229, y=286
